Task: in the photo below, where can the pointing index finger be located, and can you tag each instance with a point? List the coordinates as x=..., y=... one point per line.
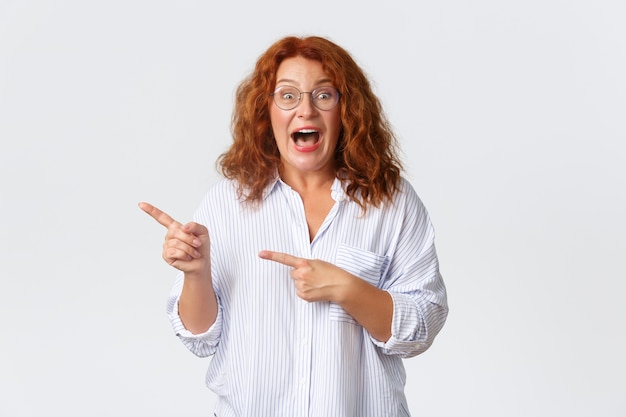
x=158, y=215
x=280, y=257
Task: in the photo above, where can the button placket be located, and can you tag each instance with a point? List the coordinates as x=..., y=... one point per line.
x=304, y=310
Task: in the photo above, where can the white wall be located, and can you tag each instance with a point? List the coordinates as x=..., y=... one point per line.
x=511, y=117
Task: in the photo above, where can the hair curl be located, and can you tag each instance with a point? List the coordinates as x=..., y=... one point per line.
x=366, y=154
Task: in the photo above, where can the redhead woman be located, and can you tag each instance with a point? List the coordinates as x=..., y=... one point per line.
x=309, y=272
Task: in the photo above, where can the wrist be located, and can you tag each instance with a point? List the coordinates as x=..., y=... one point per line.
x=346, y=288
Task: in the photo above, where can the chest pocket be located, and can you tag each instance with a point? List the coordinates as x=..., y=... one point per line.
x=368, y=266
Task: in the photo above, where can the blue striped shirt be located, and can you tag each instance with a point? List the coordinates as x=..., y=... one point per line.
x=277, y=355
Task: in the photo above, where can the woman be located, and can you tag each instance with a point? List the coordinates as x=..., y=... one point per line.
x=310, y=270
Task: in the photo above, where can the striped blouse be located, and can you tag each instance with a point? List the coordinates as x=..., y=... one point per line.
x=277, y=355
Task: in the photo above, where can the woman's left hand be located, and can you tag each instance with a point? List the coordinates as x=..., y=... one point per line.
x=315, y=280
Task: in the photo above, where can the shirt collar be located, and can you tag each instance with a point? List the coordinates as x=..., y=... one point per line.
x=272, y=186
x=337, y=191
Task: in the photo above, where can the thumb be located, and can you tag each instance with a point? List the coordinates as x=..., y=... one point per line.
x=196, y=229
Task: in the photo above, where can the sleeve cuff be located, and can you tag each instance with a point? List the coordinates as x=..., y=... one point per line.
x=211, y=335
x=406, y=319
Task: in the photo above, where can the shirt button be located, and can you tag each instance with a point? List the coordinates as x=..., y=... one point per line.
x=302, y=381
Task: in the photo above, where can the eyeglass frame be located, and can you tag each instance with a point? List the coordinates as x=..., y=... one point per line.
x=300, y=93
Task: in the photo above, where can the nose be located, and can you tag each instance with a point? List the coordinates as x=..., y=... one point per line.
x=306, y=108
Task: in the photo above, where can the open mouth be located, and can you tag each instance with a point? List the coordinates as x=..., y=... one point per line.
x=306, y=138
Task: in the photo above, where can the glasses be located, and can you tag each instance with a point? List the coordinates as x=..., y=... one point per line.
x=288, y=97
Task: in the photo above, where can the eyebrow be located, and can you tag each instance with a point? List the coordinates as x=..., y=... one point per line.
x=288, y=80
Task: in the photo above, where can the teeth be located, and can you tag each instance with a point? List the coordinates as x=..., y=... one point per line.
x=305, y=131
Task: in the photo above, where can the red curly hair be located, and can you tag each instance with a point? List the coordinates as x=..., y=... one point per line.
x=366, y=153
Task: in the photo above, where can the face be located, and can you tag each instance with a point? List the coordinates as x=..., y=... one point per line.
x=306, y=136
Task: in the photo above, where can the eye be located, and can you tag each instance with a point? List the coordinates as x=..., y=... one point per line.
x=325, y=94
x=287, y=94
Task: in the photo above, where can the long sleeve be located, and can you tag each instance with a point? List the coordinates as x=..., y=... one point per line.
x=203, y=344
x=415, y=284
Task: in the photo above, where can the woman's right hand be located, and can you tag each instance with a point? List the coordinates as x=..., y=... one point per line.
x=186, y=247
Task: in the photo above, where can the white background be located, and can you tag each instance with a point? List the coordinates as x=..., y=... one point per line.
x=511, y=117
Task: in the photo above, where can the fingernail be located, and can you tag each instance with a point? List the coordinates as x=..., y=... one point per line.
x=196, y=243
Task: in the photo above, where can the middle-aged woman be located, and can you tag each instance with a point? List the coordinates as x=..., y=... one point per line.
x=309, y=272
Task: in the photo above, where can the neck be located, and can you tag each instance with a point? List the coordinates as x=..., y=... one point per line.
x=307, y=182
